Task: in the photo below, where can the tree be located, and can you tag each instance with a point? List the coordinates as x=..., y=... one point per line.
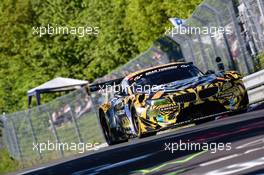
x=126, y=28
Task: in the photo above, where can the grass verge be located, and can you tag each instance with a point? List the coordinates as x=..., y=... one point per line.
x=7, y=164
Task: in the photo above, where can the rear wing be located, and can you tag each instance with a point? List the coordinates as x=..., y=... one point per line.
x=100, y=86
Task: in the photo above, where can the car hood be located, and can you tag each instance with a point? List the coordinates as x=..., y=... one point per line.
x=185, y=84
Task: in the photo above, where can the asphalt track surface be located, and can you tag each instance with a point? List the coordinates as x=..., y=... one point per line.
x=237, y=147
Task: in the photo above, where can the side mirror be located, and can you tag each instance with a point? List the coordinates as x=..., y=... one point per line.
x=209, y=72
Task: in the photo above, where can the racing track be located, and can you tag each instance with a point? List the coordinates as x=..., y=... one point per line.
x=151, y=156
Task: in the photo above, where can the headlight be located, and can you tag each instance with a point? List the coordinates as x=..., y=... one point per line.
x=157, y=102
x=153, y=112
x=160, y=105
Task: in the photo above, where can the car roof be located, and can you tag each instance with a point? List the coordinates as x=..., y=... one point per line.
x=155, y=67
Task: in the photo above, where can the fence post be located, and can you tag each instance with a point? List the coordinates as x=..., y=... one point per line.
x=216, y=51
x=253, y=26
x=242, y=46
x=189, y=42
x=219, y=22
x=55, y=134
x=17, y=140
x=202, y=49
x=76, y=126
x=8, y=137
x=1, y=131
x=33, y=132
x=261, y=7
x=89, y=94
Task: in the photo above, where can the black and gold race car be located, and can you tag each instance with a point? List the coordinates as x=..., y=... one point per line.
x=160, y=97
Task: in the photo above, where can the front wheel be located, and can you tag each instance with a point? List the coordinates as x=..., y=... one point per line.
x=110, y=135
x=136, y=124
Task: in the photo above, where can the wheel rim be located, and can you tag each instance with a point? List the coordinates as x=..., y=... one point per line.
x=135, y=122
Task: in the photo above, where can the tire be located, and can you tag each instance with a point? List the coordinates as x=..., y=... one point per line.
x=136, y=124
x=243, y=106
x=245, y=103
x=110, y=135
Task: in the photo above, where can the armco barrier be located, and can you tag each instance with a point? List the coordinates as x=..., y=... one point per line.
x=256, y=95
x=255, y=86
x=254, y=80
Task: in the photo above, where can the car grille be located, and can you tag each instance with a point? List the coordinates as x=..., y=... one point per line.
x=208, y=92
x=185, y=98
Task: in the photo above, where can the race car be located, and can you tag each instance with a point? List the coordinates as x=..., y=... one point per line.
x=160, y=97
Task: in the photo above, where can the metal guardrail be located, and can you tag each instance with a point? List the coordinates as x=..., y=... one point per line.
x=254, y=80
x=255, y=86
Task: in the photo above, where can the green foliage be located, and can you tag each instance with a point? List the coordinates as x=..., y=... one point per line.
x=7, y=163
x=148, y=19
x=259, y=61
x=127, y=27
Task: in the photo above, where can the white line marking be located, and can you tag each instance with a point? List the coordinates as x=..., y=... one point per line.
x=253, y=143
x=253, y=150
x=89, y=170
x=219, y=160
x=30, y=171
x=235, y=168
x=124, y=162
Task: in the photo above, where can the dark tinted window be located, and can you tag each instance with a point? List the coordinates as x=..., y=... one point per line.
x=166, y=75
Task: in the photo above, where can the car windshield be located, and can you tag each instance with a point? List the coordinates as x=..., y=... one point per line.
x=163, y=76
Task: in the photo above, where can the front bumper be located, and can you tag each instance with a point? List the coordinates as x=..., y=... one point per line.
x=164, y=112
